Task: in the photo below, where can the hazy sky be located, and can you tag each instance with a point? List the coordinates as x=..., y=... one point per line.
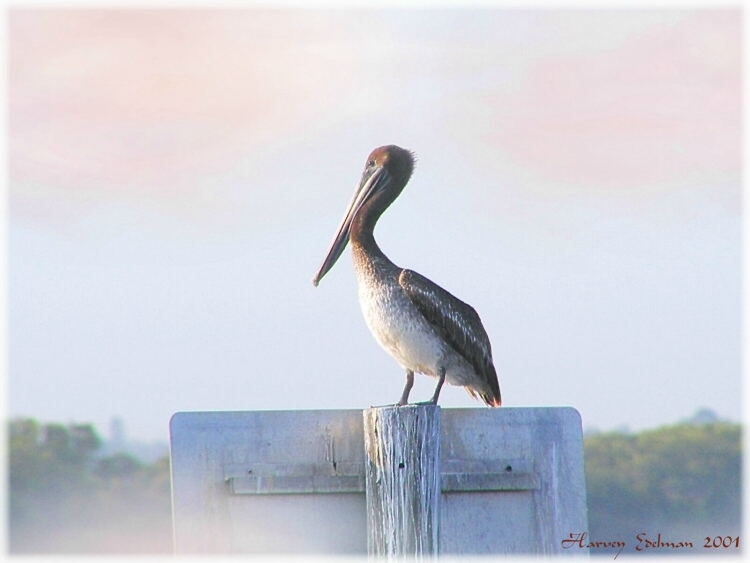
x=177, y=175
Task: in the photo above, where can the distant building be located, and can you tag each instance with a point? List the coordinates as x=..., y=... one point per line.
x=117, y=432
x=119, y=444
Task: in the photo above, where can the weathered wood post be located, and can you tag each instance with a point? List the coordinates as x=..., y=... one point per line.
x=402, y=480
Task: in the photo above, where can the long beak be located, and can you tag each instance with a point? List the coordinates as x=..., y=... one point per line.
x=373, y=180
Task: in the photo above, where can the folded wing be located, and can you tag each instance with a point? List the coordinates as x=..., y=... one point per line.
x=458, y=324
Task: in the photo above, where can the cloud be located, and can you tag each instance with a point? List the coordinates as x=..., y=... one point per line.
x=144, y=105
x=191, y=111
x=661, y=106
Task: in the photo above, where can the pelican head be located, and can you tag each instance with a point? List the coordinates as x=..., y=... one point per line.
x=386, y=172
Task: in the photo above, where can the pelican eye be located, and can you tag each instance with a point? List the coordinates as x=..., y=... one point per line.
x=370, y=163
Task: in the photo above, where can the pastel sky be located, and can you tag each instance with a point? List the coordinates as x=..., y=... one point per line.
x=177, y=174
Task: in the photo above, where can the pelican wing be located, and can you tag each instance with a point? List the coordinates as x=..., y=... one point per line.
x=459, y=325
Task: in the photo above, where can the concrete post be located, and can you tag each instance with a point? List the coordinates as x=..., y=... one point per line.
x=511, y=482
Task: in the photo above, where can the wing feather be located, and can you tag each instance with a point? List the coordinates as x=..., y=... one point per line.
x=459, y=325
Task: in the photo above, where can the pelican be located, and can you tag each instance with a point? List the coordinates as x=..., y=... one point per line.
x=422, y=326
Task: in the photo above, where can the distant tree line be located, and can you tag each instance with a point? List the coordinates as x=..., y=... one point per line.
x=63, y=498
x=681, y=481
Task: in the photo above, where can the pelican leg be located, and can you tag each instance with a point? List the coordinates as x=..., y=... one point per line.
x=436, y=394
x=407, y=388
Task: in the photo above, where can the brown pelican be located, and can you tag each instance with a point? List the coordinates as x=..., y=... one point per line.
x=425, y=328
